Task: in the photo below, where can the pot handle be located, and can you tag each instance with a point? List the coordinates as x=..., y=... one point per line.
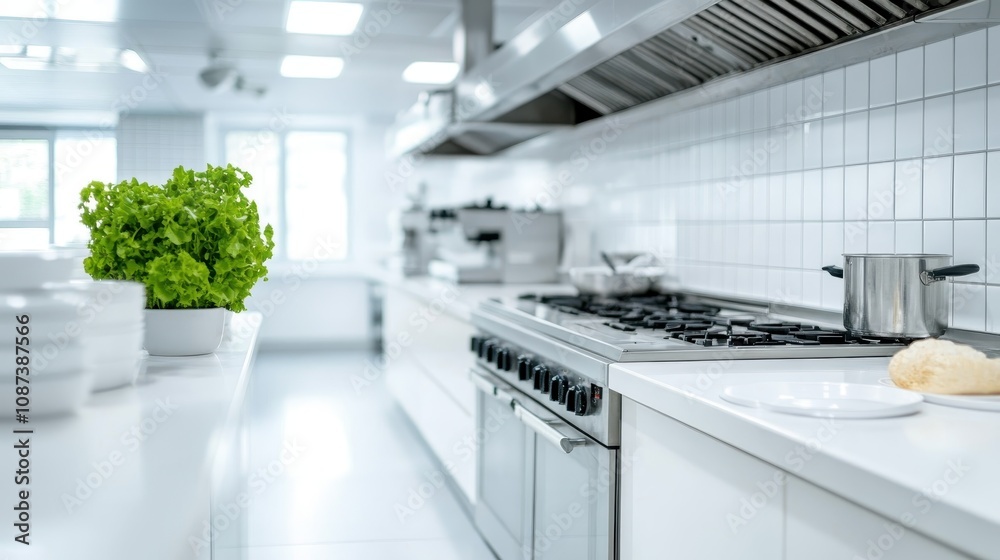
x=834, y=271
x=938, y=274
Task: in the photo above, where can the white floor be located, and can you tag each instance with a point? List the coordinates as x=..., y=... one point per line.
x=349, y=494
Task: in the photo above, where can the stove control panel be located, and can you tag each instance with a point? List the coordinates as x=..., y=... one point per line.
x=545, y=382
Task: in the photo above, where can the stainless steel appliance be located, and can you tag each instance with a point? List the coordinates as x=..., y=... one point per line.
x=549, y=459
x=898, y=295
x=496, y=244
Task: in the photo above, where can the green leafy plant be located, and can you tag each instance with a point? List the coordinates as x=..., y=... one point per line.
x=195, y=242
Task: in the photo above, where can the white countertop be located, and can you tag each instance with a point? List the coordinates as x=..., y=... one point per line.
x=162, y=433
x=941, y=465
x=461, y=299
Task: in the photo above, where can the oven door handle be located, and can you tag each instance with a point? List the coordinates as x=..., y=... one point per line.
x=489, y=388
x=547, y=430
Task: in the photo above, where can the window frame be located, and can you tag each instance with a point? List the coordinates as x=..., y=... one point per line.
x=50, y=134
x=281, y=232
x=36, y=133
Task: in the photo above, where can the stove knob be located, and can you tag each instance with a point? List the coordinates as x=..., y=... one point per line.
x=475, y=343
x=524, y=367
x=491, y=350
x=541, y=378
x=558, y=388
x=483, y=343
x=504, y=359
x=577, y=400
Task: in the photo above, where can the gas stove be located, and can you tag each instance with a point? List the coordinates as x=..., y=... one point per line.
x=682, y=327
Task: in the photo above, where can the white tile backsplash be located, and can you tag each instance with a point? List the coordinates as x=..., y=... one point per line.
x=833, y=194
x=939, y=68
x=969, y=307
x=970, y=60
x=881, y=237
x=939, y=127
x=993, y=251
x=856, y=192
x=970, y=120
x=881, y=191
x=881, y=134
x=888, y=155
x=833, y=92
x=909, y=237
x=970, y=247
x=938, y=236
x=993, y=185
x=833, y=141
x=970, y=185
x=882, y=81
x=908, y=181
x=856, y=95
x=937, y=188
x=856, y=138
x=910, y=75
x=909, y=130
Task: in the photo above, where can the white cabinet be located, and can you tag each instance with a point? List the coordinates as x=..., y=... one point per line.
x=823, y=526
x=426, y=359
x=687, y=495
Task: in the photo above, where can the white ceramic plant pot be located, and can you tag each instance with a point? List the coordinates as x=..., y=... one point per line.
x=184, y=332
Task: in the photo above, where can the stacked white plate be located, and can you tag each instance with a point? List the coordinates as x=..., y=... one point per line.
x=110, y=317
x=35, y=323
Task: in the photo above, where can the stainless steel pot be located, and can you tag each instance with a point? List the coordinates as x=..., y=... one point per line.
x=897, y=295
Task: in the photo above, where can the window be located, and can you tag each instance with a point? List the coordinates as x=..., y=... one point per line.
x=300, y=186
x=41, y=175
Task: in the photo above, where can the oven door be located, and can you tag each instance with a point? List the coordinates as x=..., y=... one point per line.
x=505, y=461
x=552, y=489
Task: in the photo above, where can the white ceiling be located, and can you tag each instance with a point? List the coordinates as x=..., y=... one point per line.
x=176, y=36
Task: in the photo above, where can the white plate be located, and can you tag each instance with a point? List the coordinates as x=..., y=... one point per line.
x=116, y=374
x=827, y=400
x=34, y=268
x=975, y=402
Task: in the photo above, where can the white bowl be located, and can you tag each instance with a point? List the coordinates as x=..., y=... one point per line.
x=35, y=268
x=184, y=332
x=47, y=358
x=50, y=394
x=106, y=302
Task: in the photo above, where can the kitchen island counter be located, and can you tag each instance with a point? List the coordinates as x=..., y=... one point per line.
x=934, y=472
x=130, y=474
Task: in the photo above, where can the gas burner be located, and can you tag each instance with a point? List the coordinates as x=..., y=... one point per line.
x=684, y=318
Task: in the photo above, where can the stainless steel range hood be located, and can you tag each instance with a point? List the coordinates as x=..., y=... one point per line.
x=615, y=54
x=611, y=55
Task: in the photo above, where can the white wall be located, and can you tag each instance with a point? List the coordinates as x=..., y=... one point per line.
x=752, y=195
x=151, y=146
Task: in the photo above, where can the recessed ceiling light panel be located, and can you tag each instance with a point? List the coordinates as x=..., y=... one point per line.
x=323, y=18
x=296, y=66
x=431, y=72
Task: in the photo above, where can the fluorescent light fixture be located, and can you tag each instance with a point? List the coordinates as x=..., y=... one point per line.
x=431, y=72
x=11, y=49
x=18, y=63
x=131, y=60
x=296, y=66
x=323, y=18
x=38, y=51
x=74, y=10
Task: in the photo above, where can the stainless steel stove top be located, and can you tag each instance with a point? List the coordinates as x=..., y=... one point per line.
x=685, y=327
